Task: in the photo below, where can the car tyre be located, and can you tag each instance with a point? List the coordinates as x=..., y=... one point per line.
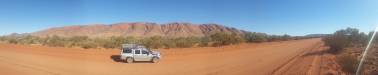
x=155, y=60
x=129, y=60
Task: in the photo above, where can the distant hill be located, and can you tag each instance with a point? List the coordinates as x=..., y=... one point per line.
x=138, y=29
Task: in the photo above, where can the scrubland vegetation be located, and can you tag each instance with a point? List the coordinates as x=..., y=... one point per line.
x=216, y=39
x=348, y=45
x=346, y=38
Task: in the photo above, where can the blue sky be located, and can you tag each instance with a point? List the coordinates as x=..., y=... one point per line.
x=294, y=17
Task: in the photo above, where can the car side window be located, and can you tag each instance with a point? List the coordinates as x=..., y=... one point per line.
x=137, y=51
x=144, y=52
x=126, y=50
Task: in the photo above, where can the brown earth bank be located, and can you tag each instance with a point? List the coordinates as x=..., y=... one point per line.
x=244, y=59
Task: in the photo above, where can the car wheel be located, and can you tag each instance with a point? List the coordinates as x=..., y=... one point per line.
x=155, y=60
x=129, y=60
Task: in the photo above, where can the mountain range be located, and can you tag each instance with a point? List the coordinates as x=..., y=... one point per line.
x=138, y=29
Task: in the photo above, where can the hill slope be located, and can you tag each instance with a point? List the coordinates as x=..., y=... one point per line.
x=138, y=29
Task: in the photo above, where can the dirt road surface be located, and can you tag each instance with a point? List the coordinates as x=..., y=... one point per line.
x=245, y=59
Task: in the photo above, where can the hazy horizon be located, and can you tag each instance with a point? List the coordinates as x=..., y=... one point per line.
x=295, y=17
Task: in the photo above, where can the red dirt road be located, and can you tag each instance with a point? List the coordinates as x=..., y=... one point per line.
x=245, y=59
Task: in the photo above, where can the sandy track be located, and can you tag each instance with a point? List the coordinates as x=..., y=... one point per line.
x=244, y=59
x=306, y=63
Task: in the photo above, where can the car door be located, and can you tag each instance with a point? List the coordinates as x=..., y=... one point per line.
x=138, y=55
x=126, y=52
x=145, y=55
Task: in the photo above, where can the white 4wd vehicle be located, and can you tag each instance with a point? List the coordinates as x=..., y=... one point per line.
x=134, y=52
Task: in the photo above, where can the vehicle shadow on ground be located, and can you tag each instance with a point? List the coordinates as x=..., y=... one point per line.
x=117, y=58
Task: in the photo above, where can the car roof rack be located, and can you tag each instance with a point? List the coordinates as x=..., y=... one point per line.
x=133, y=46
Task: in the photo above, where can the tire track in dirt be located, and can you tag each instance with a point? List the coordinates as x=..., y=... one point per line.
x=304, y=63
